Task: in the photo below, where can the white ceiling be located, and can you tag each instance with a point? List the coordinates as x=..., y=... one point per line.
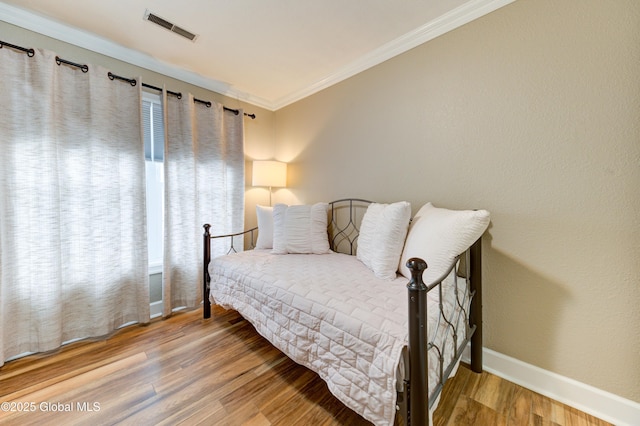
x=266, y=52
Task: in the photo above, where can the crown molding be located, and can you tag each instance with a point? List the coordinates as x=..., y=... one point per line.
x=54, y=29
x=463, y=14
x=449, y=21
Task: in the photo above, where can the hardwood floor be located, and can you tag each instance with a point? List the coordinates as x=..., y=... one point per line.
x=186, y=370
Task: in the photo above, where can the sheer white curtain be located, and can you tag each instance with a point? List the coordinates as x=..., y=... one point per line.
x=73, y=254
x=204, y=183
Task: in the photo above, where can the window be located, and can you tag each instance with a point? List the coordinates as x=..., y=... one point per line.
x=153, y=126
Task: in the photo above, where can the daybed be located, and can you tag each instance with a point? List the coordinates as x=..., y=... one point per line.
x=343, y=289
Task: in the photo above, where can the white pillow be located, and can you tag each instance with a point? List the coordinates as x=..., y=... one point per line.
x=300, y=229
x=382, y=233
x=438, y=235
x=265, y=227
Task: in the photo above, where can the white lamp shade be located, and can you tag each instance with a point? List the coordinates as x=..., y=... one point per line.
x=269, y=173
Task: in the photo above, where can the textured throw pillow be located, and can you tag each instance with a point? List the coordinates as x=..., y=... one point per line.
x=300, y=229
x=265, y=227
x=438, y=235
x=382, y=233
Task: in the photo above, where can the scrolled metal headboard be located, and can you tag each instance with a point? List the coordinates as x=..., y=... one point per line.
x=345, y=216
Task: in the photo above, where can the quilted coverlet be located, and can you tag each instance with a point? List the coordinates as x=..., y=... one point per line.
x=331, y=314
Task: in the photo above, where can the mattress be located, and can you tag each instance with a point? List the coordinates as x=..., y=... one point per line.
x=331, y=314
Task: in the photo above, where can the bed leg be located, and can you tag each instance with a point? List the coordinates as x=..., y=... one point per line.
x=476, y=305
x=418, y=401
x=206, y=244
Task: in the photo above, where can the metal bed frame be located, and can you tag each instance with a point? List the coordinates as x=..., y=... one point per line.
x=414, y=401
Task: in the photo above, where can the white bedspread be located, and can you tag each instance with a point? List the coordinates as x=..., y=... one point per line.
x=331, y=314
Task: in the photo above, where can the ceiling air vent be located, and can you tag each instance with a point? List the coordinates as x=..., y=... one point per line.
x=152, y=17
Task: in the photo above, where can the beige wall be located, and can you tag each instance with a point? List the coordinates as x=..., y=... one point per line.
x=259, y=133
x=532, y=112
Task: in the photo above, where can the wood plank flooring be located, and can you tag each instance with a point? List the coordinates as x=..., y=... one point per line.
x=186, y=370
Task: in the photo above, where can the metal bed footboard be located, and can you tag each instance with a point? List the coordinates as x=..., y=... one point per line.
x=206, y=245
x=414, y=400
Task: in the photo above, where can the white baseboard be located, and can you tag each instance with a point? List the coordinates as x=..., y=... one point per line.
x=156, y=309
x=586, y=398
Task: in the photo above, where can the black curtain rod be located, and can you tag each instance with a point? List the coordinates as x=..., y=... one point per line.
x=83, y=67
x=179, y=96
x=159, y=89
x=132, y=81
x=29, y=52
